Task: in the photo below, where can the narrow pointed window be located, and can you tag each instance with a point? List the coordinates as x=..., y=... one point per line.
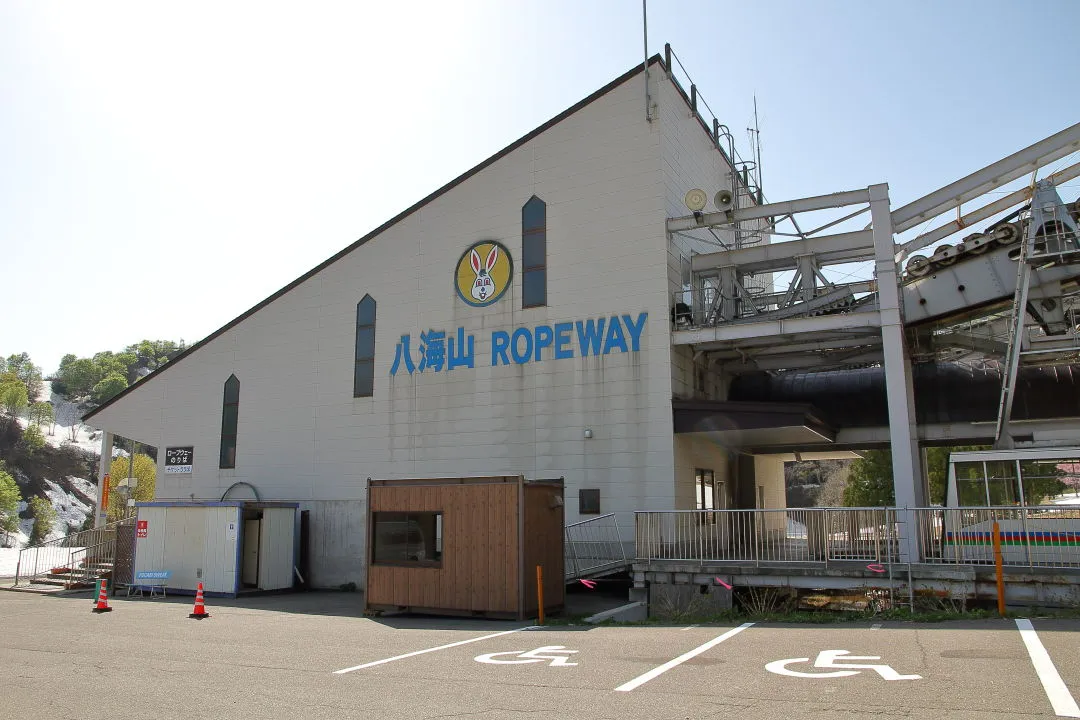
x=364, y=372
x=534, y=253
x=230, y=412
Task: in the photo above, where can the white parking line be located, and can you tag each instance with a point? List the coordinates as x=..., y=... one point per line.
x=428, y=650
x=1053, y=685
x=657, y=671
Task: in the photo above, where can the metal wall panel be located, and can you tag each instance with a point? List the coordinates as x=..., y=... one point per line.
x=193, y=543
x=150, y=550
x=276, y=548
x=219, y=548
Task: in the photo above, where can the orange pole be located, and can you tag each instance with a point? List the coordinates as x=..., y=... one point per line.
x=540, y=593
x=998, y=571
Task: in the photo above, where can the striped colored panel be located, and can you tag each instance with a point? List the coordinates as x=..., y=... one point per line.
x=1015, y=538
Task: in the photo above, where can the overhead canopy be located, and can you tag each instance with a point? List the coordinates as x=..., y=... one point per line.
x=753, y=424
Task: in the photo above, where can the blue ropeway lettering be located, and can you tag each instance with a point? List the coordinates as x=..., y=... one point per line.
x=522, y=345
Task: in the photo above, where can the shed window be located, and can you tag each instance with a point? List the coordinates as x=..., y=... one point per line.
x=230, y=412
x=534, y=253
x=588, y=502
x=414, y=538
x=364, y=371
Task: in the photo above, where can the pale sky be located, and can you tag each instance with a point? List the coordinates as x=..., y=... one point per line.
x=163, y=168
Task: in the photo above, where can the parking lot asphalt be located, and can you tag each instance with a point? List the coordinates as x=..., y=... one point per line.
x=315, y=656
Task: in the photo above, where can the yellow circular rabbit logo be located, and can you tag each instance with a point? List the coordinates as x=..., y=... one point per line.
x=483, y=273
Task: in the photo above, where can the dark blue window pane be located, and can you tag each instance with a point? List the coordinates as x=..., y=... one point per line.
x=232, y=390
x=534, y=251
x=364, y=378
x=534, y=214
x=365, y=311
x=228, y=453
x=365, y=343
x=230, y=411
x=229, y=416
x=534, y=288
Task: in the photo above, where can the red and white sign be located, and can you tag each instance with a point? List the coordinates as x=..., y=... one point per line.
x=140, y=528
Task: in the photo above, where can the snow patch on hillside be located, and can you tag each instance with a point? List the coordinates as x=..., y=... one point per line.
x=9, y=559
x=60, y=432
x=72, y=497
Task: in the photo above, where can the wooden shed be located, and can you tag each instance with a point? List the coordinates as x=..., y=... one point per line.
x=465, y=545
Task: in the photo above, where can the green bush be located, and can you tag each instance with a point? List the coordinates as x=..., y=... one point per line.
x=44, y=518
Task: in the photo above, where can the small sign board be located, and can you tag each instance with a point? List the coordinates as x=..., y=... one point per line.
x=179, y=459
x=152, y=575
x=141, y=528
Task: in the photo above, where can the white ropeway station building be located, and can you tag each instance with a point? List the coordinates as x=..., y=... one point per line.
x=610, y=300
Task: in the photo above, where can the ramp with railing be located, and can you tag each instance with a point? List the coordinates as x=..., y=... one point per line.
x=1029, y=537
x=594, y=548
x=804, y=535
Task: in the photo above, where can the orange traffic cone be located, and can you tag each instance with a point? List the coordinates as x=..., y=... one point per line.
x=200, y=609
x=102, y=604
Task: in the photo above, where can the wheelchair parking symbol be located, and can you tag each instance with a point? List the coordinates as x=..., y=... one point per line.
x=557, y=654
x=829, y=659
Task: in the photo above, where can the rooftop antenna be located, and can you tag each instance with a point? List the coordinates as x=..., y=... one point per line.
x=757, y=151
x=645, y=37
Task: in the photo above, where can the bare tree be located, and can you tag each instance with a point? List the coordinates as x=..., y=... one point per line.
x=835, y=478
x=68, y=414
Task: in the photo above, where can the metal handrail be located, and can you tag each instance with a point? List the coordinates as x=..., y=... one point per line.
x=796, y=535
x=41, y=558
x=594, y=546
x=1031, y=536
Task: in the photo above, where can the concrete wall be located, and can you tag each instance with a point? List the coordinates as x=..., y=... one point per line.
x=303, y=437
x=693, y=452
x=769, y=475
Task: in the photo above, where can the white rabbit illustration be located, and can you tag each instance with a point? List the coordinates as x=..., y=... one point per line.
x=483, y=286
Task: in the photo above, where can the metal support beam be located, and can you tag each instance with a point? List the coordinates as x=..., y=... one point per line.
x=903, y=431
x=981, y=181
x=788, y=207
x=794, y=346
x=828, y=249
x=987, y=211
x=803, y=361
x=773, y=328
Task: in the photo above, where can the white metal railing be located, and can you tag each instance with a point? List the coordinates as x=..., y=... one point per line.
x=772, y=536
x=594, y=546
x=79, y=557
x=1032, y=536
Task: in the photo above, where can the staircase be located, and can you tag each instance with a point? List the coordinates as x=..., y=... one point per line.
x=594, y=548
x=70, y=562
